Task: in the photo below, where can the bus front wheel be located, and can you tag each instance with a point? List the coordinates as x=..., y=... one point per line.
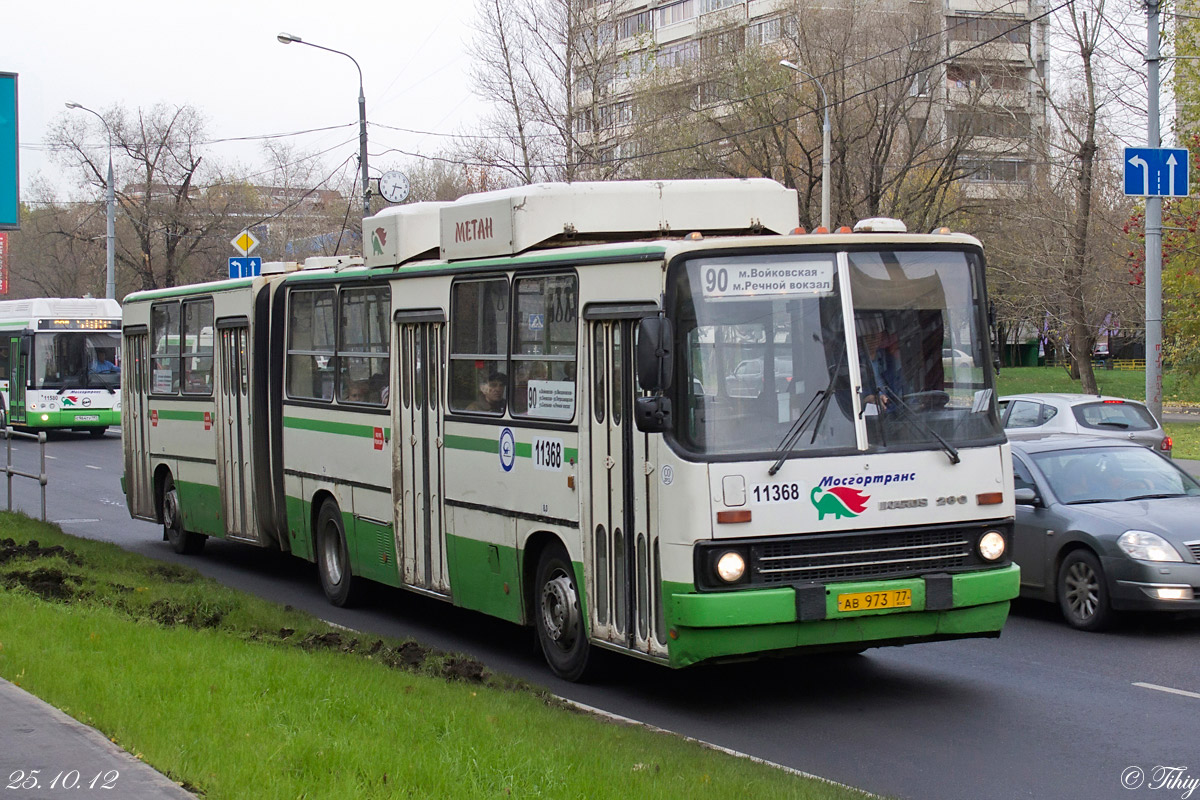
x=184, y=542
x=333, y=557
x=558, y=617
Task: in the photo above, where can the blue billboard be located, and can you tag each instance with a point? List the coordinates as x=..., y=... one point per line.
x=8, y=151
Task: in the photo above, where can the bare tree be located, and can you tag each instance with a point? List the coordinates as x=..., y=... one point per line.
x=170, y=227
x=1066, y=249
x=59, y=250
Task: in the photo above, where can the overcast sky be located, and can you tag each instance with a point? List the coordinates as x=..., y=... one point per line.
x=222, y=57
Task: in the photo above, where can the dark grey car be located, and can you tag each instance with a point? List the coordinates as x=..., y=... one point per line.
x=1104, y=526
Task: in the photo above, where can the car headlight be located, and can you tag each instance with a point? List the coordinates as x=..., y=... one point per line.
x=731, y=566
x=992, y=545
x=1147, y=546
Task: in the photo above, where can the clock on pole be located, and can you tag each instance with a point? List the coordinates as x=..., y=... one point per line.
x=393, y=186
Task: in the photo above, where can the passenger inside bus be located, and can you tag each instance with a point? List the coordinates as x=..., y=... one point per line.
x=491, y=394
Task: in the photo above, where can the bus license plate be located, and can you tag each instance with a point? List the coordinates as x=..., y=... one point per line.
x=87, y=417
x=873, y=601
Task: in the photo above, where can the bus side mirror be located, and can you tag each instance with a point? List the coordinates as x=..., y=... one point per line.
x=652, y=414
x=26, y=346
x=654, y=357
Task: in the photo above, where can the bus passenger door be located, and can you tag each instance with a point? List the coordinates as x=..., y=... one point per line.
x=418, y=475
x=135, y=426
x=622, y=546
x=234, y=451
x=19, y=356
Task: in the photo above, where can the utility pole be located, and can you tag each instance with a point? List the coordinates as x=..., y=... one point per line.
x=1153, y=227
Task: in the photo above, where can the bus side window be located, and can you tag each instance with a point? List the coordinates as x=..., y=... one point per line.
x=164, y=365
x=197, y=344
x=478, y=343
x=4, y=360
x=310, y=355
x=545, y=333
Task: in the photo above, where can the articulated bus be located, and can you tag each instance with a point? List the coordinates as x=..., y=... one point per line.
x=639, y=416
x=60, y=363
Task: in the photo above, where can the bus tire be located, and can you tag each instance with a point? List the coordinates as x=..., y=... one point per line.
x=97, y=432
x=183, y=542
x=333, y=557
x=558, y=615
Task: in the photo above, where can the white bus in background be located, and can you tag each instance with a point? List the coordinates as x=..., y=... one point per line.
x=60, y=363
x=637, y=416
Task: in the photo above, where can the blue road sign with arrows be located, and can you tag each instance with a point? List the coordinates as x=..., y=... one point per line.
x=245, y=267
x=1156, y=171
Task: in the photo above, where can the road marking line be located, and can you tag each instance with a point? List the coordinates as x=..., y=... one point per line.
x=89, y=466
x=72, y=521
x=1167, y=689
x=735, y=753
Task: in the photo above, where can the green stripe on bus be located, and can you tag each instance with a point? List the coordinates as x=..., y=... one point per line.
x=524, y=449
x=336, y=428
x=186, y=416
x=199, y=288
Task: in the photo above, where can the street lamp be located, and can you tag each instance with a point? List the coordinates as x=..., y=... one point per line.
x=824, y=142
x=110, y=281
x=288, y=38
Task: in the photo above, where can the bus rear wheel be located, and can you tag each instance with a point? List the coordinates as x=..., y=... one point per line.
x=558, y=616
x=333, y=558
x=183, y=542
x=97, y=432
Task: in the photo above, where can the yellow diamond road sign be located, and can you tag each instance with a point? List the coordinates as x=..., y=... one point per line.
x=245, y=242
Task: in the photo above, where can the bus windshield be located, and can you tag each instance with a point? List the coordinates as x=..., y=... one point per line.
x=764, y=349
x=76, y=359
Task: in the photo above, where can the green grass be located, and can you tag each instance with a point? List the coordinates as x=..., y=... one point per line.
x=235, y=697
x=1178, y=389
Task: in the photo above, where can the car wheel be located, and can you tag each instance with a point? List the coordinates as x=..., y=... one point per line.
x=183, y=542
x=1083, y=592
x=558, y=615
x=333, y=558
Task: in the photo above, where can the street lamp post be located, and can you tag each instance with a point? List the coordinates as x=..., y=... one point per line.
x=824, y=142
x=287, y=38
x=110, y=281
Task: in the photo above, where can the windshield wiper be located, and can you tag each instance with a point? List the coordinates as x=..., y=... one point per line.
x=813, y=412
x=950, y=451
x=1157, y=496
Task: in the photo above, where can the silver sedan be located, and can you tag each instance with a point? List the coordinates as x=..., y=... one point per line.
x=1026, y=416
x=1105, y=526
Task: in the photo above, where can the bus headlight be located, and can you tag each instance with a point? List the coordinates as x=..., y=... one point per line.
x=45, y=417
x=731, y=566
x=991, y=545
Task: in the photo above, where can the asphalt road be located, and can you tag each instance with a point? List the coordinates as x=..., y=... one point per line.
x=1042, y=712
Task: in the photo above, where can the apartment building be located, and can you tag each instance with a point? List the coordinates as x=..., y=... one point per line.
x=976, y=75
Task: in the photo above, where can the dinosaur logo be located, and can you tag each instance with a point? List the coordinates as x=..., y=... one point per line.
x=70, y=400
x=378, y=241
x=841, y=501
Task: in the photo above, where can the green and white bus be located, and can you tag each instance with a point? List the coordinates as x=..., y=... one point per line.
x=60, y=363
x=637, y=416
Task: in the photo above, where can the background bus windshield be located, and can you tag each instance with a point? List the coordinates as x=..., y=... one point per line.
x=73, y=359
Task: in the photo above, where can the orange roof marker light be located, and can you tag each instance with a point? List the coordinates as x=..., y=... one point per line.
x=844, y=229
x=820, y=229
x=799, y=231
